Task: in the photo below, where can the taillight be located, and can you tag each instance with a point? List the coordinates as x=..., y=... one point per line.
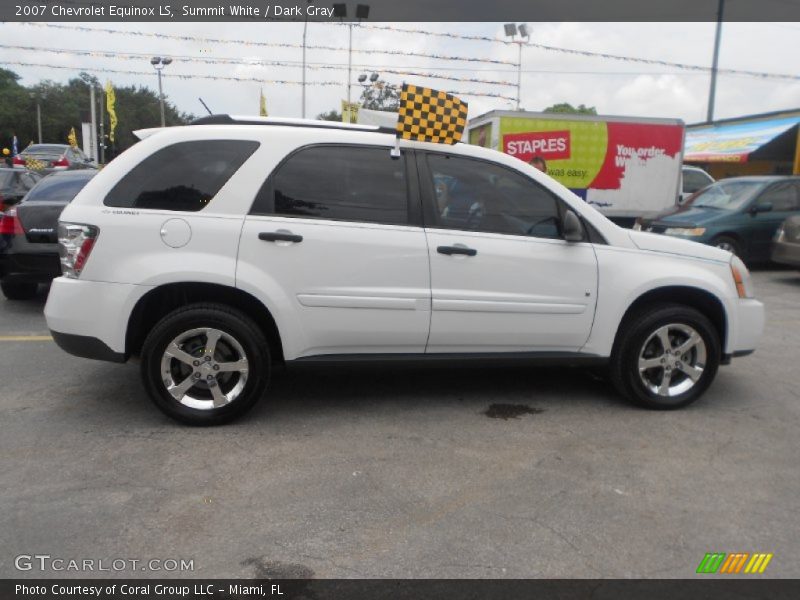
x=10, y=224
x=75, y=243
x=61, y=162
x=18, y=161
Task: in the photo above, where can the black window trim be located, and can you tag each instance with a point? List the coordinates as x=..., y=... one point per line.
x=591, y=234
x=266, y=192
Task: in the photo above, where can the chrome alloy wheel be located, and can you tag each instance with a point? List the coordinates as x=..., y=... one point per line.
x=726, y=246
x=204, y=368
x=672, y=360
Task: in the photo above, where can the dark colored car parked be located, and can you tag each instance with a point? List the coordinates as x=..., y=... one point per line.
x=48, y=158
x=29, y=234
x=740, y=214
x=786, y=246
x=14, y=184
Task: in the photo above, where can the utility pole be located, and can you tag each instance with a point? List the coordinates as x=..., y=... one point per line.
x=102, y=129
x=93, y=112
x=39, y=118
x=712, y=92
x=349, y=63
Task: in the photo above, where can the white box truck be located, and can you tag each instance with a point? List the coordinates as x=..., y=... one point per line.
x=624, y=166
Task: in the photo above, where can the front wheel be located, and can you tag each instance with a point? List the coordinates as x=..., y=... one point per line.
x=728, y=243
x=205, y=364
x=665, y=356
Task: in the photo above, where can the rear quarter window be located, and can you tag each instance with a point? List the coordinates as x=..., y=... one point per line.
x=182, y=177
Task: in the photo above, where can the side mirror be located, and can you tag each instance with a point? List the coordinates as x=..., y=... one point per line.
x=761, y=207
x=572, y=227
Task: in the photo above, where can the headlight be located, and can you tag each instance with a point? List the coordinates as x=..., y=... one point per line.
x=741, y=278
x=780, y=234
x=689, y=232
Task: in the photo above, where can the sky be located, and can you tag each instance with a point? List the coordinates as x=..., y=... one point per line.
x=549, y=77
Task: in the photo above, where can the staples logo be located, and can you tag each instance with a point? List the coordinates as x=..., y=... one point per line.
x=550, y=145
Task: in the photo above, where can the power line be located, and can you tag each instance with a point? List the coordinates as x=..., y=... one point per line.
x=242, y=62
x=189, y=76
x=242, y=42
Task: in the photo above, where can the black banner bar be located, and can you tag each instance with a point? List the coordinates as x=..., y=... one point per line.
x=397, y=10
x=733, y=588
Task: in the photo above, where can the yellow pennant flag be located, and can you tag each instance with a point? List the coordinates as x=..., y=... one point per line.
x=72, y=138
x=262, y=104
x=111, y=100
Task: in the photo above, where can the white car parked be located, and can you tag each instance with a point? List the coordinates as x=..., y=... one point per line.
x=215, y=250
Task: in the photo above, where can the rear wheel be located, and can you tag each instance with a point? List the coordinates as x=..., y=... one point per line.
x=665, y=357
x=18, y=291
x=205, y=364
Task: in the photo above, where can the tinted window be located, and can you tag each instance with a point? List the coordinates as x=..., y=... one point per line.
x=782, y=197
x=479, y=196
x=184, y=176
x=28, y=180
x=57, y=189
x=340, y=182
x=46, y=149
x=694, y=180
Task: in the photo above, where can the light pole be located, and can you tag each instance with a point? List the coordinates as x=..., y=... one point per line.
x=362, y=12
x=38, y=99
x=305, y=31
x=158, y=64
x=717, y=38
x=511, y=30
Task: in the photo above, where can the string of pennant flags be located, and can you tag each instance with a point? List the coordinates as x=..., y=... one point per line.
x=258, y=43
x=189, y=76
x=407, y=30
x=248, y=62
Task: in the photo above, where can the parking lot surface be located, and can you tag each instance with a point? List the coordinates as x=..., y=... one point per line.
x=400, y=472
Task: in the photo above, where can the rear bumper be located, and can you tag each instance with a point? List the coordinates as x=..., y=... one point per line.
x=40, y=267
x=87, y=347
x=90, y=318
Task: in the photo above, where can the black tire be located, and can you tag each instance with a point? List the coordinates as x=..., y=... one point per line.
x=639, y=329
x=235, y=326
x=19, y=291
x=729, y=243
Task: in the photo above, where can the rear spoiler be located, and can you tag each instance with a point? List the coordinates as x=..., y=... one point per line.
x=144, y=133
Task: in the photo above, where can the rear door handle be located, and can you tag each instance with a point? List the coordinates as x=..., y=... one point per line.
x=280, y=236
x=450, y=250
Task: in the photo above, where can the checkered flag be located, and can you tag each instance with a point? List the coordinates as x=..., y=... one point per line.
x=428, y=115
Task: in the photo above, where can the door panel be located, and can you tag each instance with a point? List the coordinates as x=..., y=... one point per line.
x=514, y=285
x=352, y=288
x=516, y=294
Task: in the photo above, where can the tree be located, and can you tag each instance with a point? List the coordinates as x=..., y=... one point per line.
x=331, y=115
x=567, y=108
x=381, y=96
x=64, y=106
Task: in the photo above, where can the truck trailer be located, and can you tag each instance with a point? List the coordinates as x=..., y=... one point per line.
x=626, y=167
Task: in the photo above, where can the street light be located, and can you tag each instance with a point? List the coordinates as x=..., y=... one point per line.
x=159, y=63
x=362, y=12
x=305, y=30
x=511, y=30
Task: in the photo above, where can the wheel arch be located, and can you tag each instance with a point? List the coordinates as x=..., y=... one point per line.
x=702, y=300
x=163, y=299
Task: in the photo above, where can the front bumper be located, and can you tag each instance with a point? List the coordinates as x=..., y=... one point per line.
x=90, y=318
x=786, y=253
x=747, y=326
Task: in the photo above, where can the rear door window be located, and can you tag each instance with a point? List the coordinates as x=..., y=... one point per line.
x=345, y=183
x=182, y=177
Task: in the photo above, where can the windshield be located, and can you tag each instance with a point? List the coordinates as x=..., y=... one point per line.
x=6, y=179
x=727, y=195
x=57, y=189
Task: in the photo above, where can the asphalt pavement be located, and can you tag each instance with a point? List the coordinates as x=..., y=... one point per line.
x=398, y=472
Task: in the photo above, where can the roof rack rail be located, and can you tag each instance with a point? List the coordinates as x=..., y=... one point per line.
x=224, y=119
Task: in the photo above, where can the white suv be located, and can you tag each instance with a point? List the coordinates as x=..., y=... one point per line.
x=215, y=250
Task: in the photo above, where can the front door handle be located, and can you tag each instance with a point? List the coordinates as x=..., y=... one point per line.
x=450, y=250
x=280, y=236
